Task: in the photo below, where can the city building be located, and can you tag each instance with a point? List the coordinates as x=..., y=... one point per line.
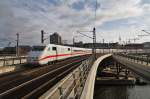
x=55, y=39
x=78, y=44
x=134, y=46
x=101, y=45
x=146, y=45
x=23, y=50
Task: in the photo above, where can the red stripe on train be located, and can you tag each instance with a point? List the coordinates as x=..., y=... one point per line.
x=59, y=55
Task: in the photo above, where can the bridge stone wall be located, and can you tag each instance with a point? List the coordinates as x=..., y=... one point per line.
x=88, y=90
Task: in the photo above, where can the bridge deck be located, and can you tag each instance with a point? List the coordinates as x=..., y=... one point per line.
x=138, y=68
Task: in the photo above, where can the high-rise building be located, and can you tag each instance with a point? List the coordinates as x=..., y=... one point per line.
x=55, y=38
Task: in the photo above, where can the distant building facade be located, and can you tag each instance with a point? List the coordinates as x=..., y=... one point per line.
x=23, y=50
x=55, y=39
x=101, y=45
x=146, y=45
x=78, y=44
x=134, y=46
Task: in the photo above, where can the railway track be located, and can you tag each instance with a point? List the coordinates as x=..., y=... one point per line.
x=34, y=83
x=4, y=78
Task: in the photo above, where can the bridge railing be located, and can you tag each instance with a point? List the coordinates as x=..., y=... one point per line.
x=139, y=59
x=12, y=60
x=73, y=84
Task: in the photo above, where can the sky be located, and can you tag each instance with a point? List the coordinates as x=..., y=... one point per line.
x=114, y=19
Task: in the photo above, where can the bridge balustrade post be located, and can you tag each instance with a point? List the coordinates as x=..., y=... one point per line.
x=12, y=61
x=4, y=62
x=86, y=68
x=20, y=59
x=137, y=59
x=74, y=82
x=60, y=92
x=117, y=68
x=80, y=77
x=128, y=57
x=147, y=60
x=142, y=60
x=126, y=73
x=85, y=72
x=134, y=58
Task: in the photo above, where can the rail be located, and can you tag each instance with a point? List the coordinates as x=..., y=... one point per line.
x=72, y=85
x=145, y=60
x=12, y=60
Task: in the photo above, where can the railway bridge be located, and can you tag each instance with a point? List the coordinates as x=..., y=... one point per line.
x=140, y=66
x=73, y=80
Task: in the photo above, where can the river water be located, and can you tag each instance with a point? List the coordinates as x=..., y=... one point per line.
x=122, y=92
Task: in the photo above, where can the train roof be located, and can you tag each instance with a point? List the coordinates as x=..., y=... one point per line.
x=57, y=46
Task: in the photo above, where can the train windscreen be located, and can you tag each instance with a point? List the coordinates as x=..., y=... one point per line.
x=38, y=48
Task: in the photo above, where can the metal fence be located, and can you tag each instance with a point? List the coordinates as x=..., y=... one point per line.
x=143, y=59
x=71, y=87
x=12, y=60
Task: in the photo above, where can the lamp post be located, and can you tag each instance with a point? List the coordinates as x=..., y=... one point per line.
x=94, y=42
x=17, y=45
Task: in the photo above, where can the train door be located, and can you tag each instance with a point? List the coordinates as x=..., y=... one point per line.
x=54, y=49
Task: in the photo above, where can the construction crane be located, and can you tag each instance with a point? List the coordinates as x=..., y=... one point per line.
x=135, y=39
x=142, y=35
x=146, y=32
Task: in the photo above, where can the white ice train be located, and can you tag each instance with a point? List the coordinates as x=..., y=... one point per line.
x=51, y=52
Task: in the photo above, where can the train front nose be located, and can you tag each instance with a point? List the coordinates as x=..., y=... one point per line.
x=32, y=60
x=33, y=57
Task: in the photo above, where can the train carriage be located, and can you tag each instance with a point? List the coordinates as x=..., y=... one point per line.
x=50, y=53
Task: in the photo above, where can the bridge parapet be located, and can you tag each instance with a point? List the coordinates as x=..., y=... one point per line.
x=88, y=90
x=144, y=60
x=79, y=84
x=140, y=67
x=72, y=85
x=12, y=60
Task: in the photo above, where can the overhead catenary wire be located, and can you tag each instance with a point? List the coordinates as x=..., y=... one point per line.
x=95, y=13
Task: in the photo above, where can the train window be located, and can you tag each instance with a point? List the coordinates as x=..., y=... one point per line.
x=54, y=48
x=68, y=49
x=38, y=48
